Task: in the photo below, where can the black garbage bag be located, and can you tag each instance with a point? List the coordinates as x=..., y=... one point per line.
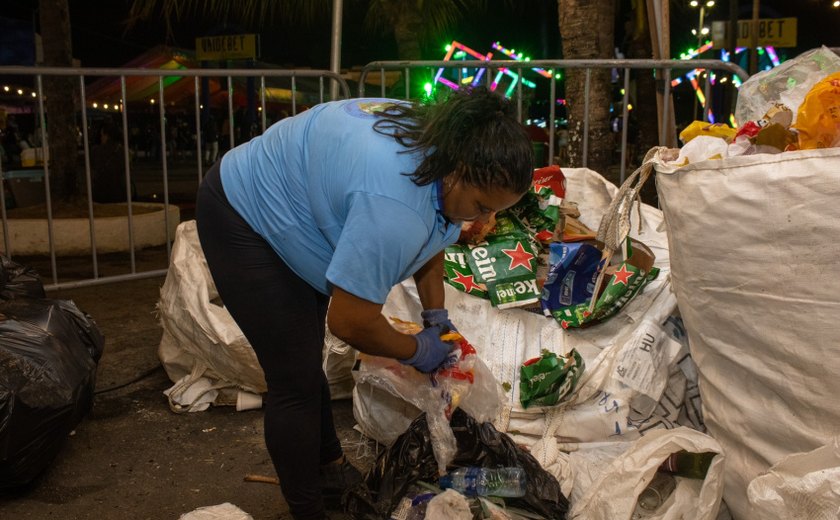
x=17, y=280
x=49, y=351
x=410, y=459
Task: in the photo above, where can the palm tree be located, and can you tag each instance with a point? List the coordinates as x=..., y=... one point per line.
x=587, y=32
x=59, y=97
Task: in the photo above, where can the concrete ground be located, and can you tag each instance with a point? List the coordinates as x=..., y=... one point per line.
x=131, y=457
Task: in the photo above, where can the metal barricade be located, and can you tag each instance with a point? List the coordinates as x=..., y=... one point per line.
x=317, y=94
x=157, y=96
x=665, y=66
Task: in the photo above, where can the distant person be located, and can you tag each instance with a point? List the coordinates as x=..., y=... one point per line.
x=211, y=140
x=107, y=165
x=318, y=218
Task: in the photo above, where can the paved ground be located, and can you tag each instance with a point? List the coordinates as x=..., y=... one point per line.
x=132, y=458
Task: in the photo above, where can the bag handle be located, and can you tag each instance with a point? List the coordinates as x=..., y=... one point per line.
x=615, y=224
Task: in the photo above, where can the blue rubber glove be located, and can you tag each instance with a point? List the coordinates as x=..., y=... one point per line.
x=431, y=350
x=437, y=318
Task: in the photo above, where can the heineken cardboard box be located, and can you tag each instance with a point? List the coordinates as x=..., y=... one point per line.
x=570, y=286
x=502, y=268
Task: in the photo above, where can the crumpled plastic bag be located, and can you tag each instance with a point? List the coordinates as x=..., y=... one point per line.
x=818, y=119
x=788, y=84
x=462, y=381
x=449, y=505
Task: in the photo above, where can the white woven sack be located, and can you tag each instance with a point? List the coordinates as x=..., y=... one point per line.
x=754, y=260
x=200, y=339
x=613, y=492
x=805, y=485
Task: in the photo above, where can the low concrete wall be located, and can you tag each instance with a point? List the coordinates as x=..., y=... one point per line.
x=72, y=235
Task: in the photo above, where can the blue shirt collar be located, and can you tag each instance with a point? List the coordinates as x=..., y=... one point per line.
x=437, y=199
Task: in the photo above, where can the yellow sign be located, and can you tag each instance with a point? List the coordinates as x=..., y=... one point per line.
x=226, y=47
x=772, y=32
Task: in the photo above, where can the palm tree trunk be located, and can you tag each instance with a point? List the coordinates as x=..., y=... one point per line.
x=644, y=106
x=587, y=32
x=59, y=97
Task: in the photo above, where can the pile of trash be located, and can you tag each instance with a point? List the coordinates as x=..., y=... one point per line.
x=541, y=252
x=600, y=404
x=795, y=106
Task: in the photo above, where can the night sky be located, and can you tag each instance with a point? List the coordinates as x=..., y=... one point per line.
x=100, y=38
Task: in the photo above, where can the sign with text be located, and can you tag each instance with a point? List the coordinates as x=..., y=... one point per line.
x=226, y=47
x=772, y=32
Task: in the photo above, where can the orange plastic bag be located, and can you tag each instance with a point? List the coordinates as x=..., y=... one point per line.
x=818, y=118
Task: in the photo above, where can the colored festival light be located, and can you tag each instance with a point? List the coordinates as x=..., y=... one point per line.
x=519, y=57
x=458, y=51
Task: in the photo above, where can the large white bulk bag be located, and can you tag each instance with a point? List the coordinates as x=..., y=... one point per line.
x=754, y=264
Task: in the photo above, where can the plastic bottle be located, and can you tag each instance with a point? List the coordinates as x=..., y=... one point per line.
x=475, y=481
x=688, y=465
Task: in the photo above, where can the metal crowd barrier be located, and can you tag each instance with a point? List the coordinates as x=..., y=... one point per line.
x=320, y=94
x=37, y=74
x=665, y=66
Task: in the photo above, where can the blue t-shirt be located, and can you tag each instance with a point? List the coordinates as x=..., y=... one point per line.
x=330, y=196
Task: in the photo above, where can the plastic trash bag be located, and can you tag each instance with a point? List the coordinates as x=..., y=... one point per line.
x=49, y=350
x=788, y=84
x=818, y=119
x=411, y=459
x=17, y=280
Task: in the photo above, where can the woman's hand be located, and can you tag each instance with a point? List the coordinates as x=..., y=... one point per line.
x=431, y=350
x=438, y=318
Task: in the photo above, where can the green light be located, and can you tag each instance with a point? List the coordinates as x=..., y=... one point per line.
x=527, y=59
x=761, y=50
x=558, y=76
x=427, y=88
x=448, y=47
x=460, y=54
x=622, y=92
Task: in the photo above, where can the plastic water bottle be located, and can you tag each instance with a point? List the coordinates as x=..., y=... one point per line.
x=475, y=481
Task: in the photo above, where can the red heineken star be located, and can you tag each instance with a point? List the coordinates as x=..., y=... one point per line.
x=622, y=275
x=538, y=187
x=519, y=257
x=467, y=281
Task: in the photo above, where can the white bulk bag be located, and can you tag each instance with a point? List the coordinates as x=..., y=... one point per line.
x=202, y=348
x=754, y=263
x=805, y=485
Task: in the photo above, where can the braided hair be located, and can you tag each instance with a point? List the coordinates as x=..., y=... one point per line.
x=473, y=134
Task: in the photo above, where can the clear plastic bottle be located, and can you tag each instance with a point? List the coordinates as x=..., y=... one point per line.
x=657, y=492
x=497, y=482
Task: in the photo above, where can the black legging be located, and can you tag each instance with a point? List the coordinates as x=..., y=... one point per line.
x=283, y=318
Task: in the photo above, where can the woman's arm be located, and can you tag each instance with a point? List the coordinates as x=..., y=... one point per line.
x=360, y=323
x=429, y=281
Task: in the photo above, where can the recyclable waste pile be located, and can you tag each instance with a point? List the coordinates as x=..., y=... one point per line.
x=792, y=107
x=576, y=353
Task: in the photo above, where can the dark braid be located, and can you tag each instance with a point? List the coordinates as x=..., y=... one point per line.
x=472, y=134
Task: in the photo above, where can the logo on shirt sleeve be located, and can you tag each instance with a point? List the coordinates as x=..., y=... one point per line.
x=368, y=108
